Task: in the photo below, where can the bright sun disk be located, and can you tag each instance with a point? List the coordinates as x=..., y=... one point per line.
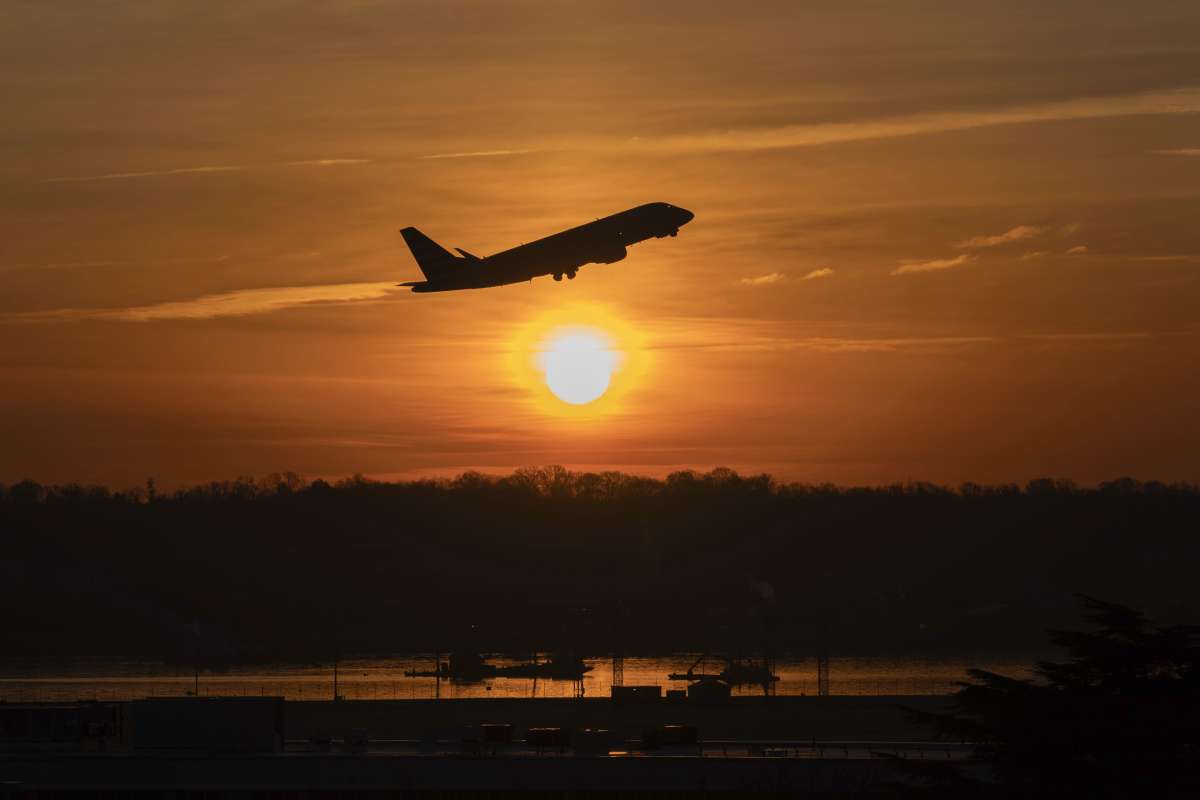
x=578, y=365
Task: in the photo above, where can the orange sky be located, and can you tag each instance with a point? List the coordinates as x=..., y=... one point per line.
x=932, y=244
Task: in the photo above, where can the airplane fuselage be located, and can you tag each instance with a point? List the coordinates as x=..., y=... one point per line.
x=603, y=241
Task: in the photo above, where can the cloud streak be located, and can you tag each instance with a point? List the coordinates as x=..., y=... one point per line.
x=742, y=334
x=1180, y=101
x=1182, y=259
x=773, y=278
x=1187, y=152
x=112, y=176
x=329, y=162
x=764, y=280
x=239, y=303
x=1090, y=337
x=912, y=267
x=478, y=154
x=1017, y=234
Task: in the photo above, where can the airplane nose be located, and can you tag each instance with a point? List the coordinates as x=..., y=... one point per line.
x=686, y=216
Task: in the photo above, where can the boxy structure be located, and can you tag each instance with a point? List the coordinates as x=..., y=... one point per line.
x=630, y=695
x=208, y=724
x=593, y=741
x=69, y=727
x=708, y=692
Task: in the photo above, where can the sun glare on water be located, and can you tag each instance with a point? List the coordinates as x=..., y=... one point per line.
x=578, y=364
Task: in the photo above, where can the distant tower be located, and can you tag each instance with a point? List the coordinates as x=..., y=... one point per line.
x=618, y=639
x=823, y=675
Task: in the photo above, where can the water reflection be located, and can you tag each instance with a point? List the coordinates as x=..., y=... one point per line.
x=384, y=679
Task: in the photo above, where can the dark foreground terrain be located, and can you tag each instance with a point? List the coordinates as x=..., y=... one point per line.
x=745, y=718
x=829, y=746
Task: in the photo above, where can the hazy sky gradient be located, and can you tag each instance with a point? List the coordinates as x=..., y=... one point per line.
x=932, y=242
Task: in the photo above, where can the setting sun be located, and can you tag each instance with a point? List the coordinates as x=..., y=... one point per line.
x=578, y=364
x=579, y=361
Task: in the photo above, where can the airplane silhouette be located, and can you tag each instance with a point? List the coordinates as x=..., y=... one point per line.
x=601, y=242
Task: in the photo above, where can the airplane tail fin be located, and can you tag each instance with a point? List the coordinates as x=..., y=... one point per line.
x=432, y=258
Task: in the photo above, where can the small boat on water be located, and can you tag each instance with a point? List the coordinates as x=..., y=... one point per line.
x=470, y=667
x=466, y=667
x=735, y=673
x=559, y=667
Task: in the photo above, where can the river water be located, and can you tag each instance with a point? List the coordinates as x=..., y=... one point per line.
x=383, y=678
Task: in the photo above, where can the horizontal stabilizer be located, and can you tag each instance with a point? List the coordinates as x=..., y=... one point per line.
x=467, y=255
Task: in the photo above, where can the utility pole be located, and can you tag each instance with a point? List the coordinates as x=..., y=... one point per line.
x=823, y=674
x=618, y=656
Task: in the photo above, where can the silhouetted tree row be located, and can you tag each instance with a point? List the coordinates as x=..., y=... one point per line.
x=556, y=481
x=282, y=567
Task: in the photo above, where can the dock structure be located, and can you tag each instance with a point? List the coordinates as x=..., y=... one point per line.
x=834, y=745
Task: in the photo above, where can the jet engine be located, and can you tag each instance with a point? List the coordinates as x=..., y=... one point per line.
x=611, y=255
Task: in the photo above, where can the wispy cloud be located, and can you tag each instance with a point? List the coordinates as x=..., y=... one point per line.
x=1180, y=101
x=779, y=277
x=840, y=345
x=1078, y=250
x=1034, y=254
x=748, y=334
x=329, y=162
x=1017, y=234
x=479, y=154
x=909, y=267
x=112, y=176
x=764, y=280
x=242, y=302
x=1193, y=152
x=1183, y=259
x=317, y=162
x=106, y=263
x=1090, y=337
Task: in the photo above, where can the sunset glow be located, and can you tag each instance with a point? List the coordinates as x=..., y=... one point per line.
x=200, y=273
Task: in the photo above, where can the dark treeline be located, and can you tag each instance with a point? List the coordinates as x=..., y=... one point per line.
x=546, y=558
